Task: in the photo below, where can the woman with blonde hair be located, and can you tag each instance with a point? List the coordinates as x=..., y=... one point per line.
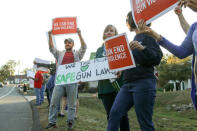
x=106, y=91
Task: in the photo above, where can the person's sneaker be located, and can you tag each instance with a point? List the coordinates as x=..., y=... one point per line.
x=76, y=118
x=70, y=124
x=51, y=125
x=61, y=115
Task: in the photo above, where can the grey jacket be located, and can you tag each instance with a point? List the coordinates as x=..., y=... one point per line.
x=78, y=55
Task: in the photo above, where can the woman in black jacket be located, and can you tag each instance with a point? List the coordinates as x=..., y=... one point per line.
x=139, y=88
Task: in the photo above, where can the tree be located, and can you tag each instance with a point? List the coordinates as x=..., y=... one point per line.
x=7, y=70
x=173, y=68
x=26, y=69
x=163, y=70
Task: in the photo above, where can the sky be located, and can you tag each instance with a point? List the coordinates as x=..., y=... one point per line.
x=25, y=23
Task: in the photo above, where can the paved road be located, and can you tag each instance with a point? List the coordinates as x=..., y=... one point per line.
x=15, y=111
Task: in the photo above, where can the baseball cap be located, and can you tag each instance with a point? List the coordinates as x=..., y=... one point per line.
x=69, y=40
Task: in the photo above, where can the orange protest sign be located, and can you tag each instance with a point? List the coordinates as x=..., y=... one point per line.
x=150, y=10
x=65, y=25
x=118, y=53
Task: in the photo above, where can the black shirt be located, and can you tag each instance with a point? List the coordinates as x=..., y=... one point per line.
x=145, y=60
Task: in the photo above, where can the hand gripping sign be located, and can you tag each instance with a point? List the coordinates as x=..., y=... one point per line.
x=118, y=53
x=149, y=10
x=65, y=25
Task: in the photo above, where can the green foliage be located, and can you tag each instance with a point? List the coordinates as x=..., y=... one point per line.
x=168, y=87
x=92, y=115
x=172, y=68
x=159, y=89
x=7, y=70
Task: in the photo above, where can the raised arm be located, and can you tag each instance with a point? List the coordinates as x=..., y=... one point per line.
x=83, y=47
x=185, y=26
x=81, y=38
x=51, y=44
x=52, y=48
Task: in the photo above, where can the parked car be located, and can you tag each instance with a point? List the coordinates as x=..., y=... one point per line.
x=1, y=85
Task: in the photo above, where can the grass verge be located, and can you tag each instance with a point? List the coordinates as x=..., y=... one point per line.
x=92, y=117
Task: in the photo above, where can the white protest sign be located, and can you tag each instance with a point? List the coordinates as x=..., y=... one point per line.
x=92, y=70
x=30, y=74
x=31, y=83
x=38, y=60
x=41, y=61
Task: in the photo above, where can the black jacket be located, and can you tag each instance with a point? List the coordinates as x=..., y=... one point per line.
x=145, y=60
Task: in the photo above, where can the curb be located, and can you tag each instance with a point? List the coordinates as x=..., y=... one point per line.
x=36, y=119
x=36, y=126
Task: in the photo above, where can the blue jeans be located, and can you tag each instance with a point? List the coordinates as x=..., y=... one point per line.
x=50, y=93
x=58, y=92
x=141, y=95
x=108, y=100
x=37, y=93
x=42, y=94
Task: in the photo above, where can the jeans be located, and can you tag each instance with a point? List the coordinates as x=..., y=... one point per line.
x=37, y=93
x=141, y=95
x=108, y=100
x=42, y=94
x=47, y=93
x=58, y=92
x=50, y=93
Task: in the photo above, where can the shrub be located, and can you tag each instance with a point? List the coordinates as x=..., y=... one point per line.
x=159, y=89
x=168, y=87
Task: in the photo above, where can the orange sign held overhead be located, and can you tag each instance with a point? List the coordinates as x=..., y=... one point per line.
x=118, y=53
x=65, y=25
x=150, y=10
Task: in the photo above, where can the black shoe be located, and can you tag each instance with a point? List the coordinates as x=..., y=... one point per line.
x=76, y=118
x=70, y=124
x=61, y=115
x=51, y=125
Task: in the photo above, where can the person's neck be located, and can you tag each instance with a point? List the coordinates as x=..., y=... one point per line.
x=68, y=50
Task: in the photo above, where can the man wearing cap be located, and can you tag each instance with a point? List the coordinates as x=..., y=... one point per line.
x=65, y=57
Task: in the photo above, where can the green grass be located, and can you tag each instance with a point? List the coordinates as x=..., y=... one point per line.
x=92, y=115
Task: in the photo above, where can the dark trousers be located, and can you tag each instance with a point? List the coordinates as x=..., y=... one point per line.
x=141, y=95
x=47, y=93
x=108, y=100
x=50, y=91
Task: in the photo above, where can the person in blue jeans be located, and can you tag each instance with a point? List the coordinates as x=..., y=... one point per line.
x=43, y=88
x=66, y=56
x=187, y=48
x=139, y=88
x=106, y=92
x=50, y=85
x=50, y=82
x=37, y=86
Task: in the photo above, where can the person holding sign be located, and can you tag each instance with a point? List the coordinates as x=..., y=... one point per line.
x=185, y=26
x=65, y=57
x=37, y=86
x=187, y=48
x=139, y=88
x=106, y=91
